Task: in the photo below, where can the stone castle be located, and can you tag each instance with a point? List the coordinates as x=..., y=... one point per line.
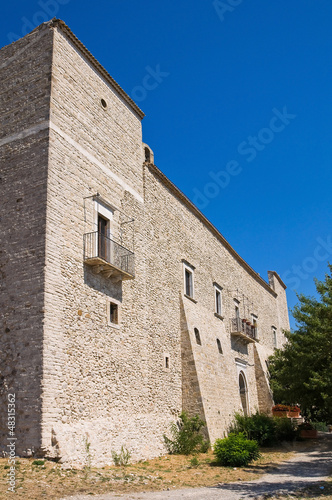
x=121, y=304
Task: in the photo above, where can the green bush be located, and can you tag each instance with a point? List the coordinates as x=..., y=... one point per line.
x=266, y=430
x=258, y=426
x=320, y=426
x=236, y=450
x=186, y=436
x=284, y=429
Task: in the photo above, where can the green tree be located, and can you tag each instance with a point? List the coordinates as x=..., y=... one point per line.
x=301, y=372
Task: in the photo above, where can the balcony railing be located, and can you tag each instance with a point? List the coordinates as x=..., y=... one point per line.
x=241, y=328
x=108, y=257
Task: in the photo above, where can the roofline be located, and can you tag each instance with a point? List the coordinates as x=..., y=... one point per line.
x=182, y=197
x=278, y=278
x=58, y=23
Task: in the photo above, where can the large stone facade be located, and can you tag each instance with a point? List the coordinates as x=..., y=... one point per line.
x=99, y=355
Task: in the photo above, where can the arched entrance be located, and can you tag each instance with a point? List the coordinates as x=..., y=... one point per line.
x=243, y=393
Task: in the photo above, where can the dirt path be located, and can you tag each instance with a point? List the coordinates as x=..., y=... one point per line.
x=306, y=468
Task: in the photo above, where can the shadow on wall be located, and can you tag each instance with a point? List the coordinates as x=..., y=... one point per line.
x=191, y=393
x=102, y=284
x=265, y=398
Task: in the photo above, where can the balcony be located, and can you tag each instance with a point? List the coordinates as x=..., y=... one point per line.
x=244, y=330
x=108, y=257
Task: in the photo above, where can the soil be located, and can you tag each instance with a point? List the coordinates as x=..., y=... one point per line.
x=170, y=476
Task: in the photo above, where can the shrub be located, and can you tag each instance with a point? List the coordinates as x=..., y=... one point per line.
x=284, y=429
x=186, y=436
x=121, y=458
x=236, y=450
x=38, y=462
x=320, y=426
x=258, y=426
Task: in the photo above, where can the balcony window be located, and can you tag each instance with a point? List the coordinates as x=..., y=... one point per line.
x=242, y=328
x=107, y=256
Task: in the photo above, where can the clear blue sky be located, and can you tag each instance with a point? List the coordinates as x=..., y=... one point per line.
x=237, y=95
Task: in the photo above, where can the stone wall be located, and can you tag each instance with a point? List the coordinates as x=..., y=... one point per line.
x=91, y=386
x=210, y=379
x=25, y=68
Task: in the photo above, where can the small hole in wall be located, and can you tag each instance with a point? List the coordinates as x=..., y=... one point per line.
x=103, y=103
x=219, y=346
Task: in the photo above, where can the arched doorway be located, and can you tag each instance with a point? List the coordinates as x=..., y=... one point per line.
x=243, y=393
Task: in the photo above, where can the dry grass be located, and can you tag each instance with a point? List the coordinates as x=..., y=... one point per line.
x=51, y=480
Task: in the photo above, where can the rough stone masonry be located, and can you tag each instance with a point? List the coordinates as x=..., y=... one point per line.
x=121, y=304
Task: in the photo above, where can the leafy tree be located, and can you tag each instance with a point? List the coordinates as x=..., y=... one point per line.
x=301, y=372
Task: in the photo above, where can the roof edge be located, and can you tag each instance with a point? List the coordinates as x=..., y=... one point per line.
x=274, y=273
x=185, y=200
x=58, y=23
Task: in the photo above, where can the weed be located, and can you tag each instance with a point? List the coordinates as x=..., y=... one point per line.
x=186, y=436
x=194, y=462
x=38, y=462
x=121, y=458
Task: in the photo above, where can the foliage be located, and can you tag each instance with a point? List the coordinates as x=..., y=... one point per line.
x=302, y=370
x=284, y=429
x=38, y=462
x=121, y=458
x=320, y=426
x=186, y=436
x=258, y=426
x=194, y=462
x=236, y=450
x=266, y=430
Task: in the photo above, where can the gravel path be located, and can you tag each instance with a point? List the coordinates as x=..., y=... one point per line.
x=304, y=469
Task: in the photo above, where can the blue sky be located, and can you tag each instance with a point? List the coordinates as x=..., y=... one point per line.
x=237, y=97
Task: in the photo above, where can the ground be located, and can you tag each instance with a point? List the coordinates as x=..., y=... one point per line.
x=167, y=475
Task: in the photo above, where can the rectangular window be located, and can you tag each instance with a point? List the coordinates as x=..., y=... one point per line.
x=113, y=313
x=103, y=240
x=217, y=299
x=274, y=336
x=254, y=325
x=189, y=283
x=188, y=279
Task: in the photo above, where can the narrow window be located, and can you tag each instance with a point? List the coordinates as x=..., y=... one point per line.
x=217, y=299
x=166, y=362
x=274, y=336
x=197, y=336
x=219, y=346
x=188, y=280
x=254, y=326
x=114, y=313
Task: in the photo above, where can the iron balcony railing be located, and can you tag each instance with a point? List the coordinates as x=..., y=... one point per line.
x=99, y=248
x=239, y=325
